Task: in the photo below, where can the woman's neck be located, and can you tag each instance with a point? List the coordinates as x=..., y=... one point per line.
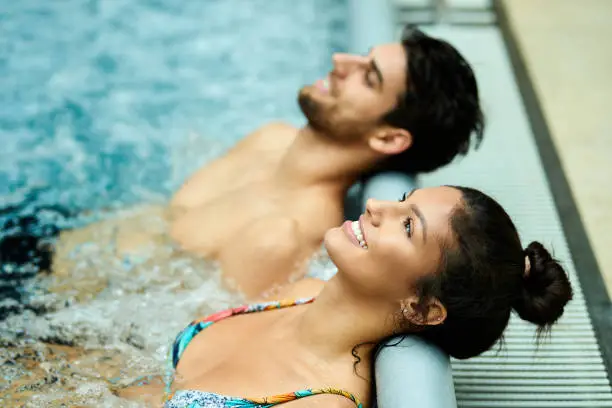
x=339, y=320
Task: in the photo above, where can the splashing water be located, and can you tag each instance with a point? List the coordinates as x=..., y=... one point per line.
x=107, y=105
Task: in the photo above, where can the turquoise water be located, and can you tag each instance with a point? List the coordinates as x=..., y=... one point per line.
x=113, y=102
x=107, y=104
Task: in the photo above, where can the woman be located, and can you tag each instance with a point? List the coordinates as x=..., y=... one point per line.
x=444, y=263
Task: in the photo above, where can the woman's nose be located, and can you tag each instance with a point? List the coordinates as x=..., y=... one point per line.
x=374, y=210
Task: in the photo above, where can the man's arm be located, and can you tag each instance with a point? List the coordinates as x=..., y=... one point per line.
x=303, y=288
x=265, y=256
x=225, y=172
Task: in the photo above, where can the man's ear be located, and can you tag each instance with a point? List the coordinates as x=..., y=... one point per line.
x=429, y=312
x=390, y=140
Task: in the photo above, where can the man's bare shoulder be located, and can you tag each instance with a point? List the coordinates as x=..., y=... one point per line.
x=280, y=125
x=270, y=136
x=255, y=153
x=276, y=126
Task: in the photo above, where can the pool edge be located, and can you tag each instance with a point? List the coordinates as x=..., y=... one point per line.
x=599, y=304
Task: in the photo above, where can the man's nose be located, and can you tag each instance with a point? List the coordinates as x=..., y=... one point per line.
x=345, y=63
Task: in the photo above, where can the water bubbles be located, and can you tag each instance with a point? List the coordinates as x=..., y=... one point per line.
x=106, y=105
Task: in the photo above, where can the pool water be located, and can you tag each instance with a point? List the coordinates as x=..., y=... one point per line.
x=107, y=106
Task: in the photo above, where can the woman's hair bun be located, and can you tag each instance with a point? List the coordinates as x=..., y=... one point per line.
x=546, y=288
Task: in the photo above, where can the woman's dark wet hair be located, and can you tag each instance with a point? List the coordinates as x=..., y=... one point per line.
x=483, y=278
x=441, y=107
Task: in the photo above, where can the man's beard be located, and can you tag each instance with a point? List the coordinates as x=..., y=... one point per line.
x=323, y=120
x=314, y=112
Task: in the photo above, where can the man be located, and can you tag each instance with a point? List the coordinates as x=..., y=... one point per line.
x=262, y=209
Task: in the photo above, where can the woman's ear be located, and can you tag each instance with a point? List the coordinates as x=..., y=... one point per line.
x=390, y=141
x=429, y=312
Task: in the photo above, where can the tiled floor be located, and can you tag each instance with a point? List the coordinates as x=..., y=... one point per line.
x=566, y=46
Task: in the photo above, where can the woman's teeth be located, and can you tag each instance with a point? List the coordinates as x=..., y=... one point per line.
x=359, y=234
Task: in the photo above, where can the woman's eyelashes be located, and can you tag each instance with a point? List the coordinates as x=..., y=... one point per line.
x=408, y=222
x=408, y=226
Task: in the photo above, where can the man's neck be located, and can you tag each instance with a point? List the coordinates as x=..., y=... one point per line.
x=316, y=159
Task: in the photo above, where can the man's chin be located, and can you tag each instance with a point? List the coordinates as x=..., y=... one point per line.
x=311, y=109
x=306, y=98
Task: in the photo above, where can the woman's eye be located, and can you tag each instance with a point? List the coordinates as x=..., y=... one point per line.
x=408, y=226
x=403, y=198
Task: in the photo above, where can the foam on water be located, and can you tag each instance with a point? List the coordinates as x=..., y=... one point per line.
x=107, y=104
x=115, y=318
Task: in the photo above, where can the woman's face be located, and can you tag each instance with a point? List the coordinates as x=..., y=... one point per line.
x=393, y=245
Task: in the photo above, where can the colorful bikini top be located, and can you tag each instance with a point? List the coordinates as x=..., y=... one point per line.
x=203, y=399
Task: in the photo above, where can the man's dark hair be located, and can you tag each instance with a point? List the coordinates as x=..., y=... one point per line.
x=440, y=108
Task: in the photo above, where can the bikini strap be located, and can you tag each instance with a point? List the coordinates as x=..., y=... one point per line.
x=283, y=398
x=252, y=308
x=188, y=333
